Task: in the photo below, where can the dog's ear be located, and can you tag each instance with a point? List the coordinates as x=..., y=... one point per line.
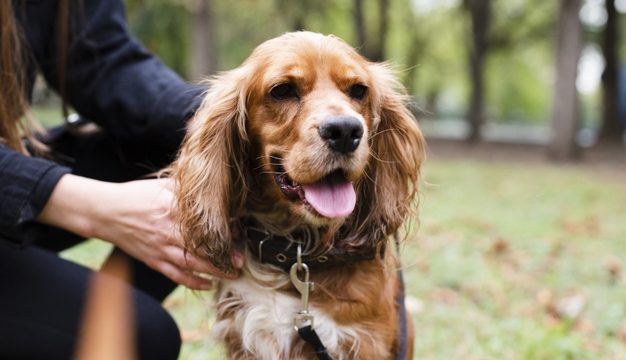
x=210, y=170
x=398, y=148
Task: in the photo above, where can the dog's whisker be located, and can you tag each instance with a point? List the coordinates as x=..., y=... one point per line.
x=270, y=172
x=378, y=158
x=380, y=132
x=369, y=177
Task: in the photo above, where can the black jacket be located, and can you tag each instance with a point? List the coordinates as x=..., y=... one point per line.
x=110, y=79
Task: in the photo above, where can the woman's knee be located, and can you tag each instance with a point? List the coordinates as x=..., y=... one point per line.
x=157, y=334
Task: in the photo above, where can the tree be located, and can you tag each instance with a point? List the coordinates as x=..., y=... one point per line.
x=296, y=12
x=565, y=115
x=378, y=53
x=203, y=50
x=359, y=23
x=164, y=28
x=612, y=130
x=373, y=50
x=480, y=16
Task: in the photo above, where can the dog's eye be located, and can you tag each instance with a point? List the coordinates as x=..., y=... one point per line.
x=284, y=91
x=358, y=91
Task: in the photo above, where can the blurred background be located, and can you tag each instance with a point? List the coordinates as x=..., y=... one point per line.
x=478, y=69
x=519, y=248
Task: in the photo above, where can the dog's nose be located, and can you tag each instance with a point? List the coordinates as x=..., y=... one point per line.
x=342, y=133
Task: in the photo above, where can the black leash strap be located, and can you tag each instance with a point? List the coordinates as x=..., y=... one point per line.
x=309, y=335
x=402, y=349
x=401, y=352
x=304, y=320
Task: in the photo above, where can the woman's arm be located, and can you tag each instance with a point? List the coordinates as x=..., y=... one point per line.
x=110, y=78
x=25, y=186
x=134, y=216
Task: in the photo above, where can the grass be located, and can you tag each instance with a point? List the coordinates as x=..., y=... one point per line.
x=508, y=261
x=48, y=116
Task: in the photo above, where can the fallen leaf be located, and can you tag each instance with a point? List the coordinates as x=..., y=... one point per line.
x=589, y=226
x=621, y=332
x=613, y=266
x=413, y=305
x=544, y=297
x=193, y=335
x=445, y=295
x=499, y=247
x=585, y=327
x=570, y=307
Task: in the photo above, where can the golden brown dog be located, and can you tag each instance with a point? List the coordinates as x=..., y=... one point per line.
x=305, y=144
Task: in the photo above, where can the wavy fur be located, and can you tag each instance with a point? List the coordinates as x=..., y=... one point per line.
x=226, y=170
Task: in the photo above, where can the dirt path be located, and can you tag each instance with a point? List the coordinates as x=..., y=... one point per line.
x=605, y=161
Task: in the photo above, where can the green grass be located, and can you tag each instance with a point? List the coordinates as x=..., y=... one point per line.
x=497, y=248
x=48, y=115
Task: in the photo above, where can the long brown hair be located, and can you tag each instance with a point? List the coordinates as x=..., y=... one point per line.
x=15, y=119
x=13, y=104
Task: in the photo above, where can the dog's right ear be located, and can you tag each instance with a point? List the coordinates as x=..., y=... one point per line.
x=209, y=172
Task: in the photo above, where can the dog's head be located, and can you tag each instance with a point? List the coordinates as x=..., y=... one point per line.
x=305, y=131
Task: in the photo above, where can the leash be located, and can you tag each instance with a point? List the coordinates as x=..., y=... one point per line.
x=268, y=250
x=303, y=320
x=309, y=335
x=402, y=350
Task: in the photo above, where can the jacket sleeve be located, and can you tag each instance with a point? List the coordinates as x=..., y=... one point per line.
x=25, y=186
x=109, y=79
x=112, y=80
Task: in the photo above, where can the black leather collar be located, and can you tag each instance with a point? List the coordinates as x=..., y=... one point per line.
x=281, y=251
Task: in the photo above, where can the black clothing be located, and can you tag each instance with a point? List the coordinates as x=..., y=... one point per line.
x=43, y=297
x=109, y=79
x=141, y=107
x=41, y=304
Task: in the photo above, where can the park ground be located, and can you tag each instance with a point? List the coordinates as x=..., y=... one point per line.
x=510, y=257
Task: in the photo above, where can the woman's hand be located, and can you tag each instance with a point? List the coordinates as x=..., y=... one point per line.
x=134, y=216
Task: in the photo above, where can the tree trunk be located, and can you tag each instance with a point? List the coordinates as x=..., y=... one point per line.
x=565, y=115
x=299, y=11
x=298, y=22
x=374, y=51
x=612, y=130
x=378, y=54
x=203, y=52
x=359, y=26
x=480, y=15
x=412, y=59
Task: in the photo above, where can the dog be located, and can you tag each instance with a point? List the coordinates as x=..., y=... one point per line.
x=306, y=159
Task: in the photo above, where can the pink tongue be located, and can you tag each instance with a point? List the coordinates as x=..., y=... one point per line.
x=331, y=198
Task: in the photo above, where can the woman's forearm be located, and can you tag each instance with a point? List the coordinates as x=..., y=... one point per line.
x=74, y=203
x=135, y=216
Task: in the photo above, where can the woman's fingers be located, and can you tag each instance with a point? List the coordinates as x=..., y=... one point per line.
x=184, y=278
x=192, y=263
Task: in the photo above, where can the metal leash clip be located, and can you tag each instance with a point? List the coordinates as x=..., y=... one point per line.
x=303, y=317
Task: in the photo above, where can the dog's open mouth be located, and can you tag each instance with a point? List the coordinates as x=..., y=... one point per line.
x=332, y=196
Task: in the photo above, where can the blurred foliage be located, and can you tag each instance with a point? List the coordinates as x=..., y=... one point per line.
x=427, y=41
x=163, y=27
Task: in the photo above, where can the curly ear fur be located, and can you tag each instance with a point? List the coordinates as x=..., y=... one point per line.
x=209, y=172
x=398, y=149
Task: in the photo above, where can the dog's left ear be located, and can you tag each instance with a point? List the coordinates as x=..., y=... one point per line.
x=398, y=149
x=210, y=170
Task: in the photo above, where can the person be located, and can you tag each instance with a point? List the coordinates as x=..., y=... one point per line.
x=90, y=185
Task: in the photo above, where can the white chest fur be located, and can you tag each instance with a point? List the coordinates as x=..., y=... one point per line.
x=263, y=319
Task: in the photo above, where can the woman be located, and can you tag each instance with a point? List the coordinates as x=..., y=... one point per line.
x=85, y=52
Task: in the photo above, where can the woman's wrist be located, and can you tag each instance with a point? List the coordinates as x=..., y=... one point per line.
x=134, y=216
x=75, y=205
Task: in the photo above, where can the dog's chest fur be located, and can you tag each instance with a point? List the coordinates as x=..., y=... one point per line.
x=256, y=321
